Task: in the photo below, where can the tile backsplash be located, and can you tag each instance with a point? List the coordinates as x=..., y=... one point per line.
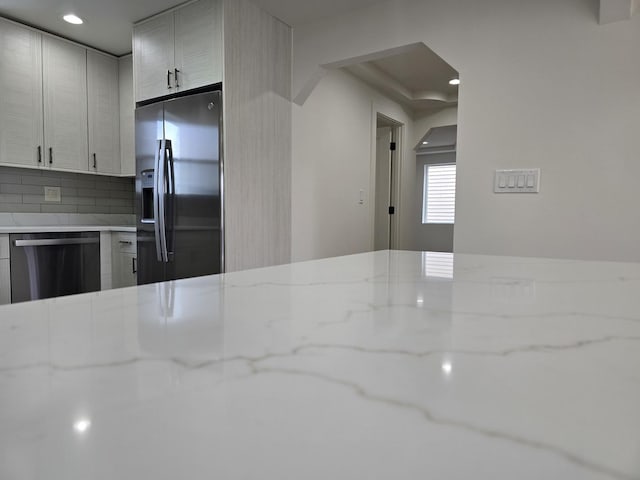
x=22, y=191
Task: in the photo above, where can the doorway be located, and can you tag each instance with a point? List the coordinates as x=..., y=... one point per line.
x=386, y=191
x=435, y=190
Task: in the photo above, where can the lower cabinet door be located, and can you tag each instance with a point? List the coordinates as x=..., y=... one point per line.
x=5, y=272
x=5, y=282
x=124, y=260
x=128, y=269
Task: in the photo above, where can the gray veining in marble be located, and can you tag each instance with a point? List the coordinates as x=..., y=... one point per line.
x=364, y=366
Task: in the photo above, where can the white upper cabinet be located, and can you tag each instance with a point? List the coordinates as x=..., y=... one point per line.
x=21, y=131
x=198, y=44
x=60, y=104
x=127, y=114
x=104, y=116
x=153, y=54
x=65, y=104
x=178, y=50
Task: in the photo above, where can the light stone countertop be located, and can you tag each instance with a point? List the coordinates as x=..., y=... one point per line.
x=66, y=228
x=386, y=365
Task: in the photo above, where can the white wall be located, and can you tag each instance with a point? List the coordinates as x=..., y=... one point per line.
x=333, y=138
x=425, y=121
x=543, y=85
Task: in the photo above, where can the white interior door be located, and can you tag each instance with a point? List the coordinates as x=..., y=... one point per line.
x=382, y=192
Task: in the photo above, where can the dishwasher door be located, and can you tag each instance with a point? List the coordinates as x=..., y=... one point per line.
x=46, y=265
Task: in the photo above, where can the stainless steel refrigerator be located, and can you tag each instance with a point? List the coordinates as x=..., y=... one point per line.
x=179, y=188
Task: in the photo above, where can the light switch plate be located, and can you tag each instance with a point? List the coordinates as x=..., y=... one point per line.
x=52, y=194
x=525, y=180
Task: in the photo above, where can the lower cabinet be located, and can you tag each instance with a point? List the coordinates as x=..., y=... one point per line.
x=124, y=260
x=5, y=277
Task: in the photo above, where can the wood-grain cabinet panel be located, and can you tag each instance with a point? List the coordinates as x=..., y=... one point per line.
x=198, y=44
x=127, y=117
x=124, y=260
x=103, y=110
x=153, y=53
x=179, y=50
x=21, y=116
x=65, y=104
x=60, y=104
x=5, y=280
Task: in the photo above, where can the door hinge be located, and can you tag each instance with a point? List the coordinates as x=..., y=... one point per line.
x=392, y=210
x=392, y=146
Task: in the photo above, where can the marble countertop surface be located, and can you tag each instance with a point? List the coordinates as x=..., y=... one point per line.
x=66, y=228
x=387, y=365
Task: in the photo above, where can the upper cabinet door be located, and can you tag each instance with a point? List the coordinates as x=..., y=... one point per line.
x=65, y=104
x=127, y=123
x=153, y=60
x=198, y=44
x=104, y=115
x=21, y=97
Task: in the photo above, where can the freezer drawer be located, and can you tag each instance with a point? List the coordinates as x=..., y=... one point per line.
x=46, y=265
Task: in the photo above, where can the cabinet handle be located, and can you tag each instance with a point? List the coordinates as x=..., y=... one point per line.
x=50, y=155
x=176, y=77
x=169, y=79
x=39, y=153
x=95, y=162
x=133, y=265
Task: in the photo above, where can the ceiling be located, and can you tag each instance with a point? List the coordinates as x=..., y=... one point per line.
x=418, y=78
x=440, y=139
x=108, y=23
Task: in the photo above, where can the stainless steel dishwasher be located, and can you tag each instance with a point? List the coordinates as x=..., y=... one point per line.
x=46, y=265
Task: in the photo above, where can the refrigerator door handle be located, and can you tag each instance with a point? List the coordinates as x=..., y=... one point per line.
x=171, y=190
x=162, y=201
x=158, y=201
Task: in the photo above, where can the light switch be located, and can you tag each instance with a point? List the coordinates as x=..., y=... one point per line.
x=517, y=181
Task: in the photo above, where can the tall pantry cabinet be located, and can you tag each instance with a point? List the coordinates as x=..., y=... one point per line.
x=235, y=43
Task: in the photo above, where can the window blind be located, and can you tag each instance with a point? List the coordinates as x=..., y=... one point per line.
x=439, y=198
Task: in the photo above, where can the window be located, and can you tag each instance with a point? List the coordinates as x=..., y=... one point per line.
x=439, y=196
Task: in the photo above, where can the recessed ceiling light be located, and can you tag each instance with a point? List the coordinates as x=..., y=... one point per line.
x=425, y=143
x=74, y=19
x=454, y=81
x=82, y=425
